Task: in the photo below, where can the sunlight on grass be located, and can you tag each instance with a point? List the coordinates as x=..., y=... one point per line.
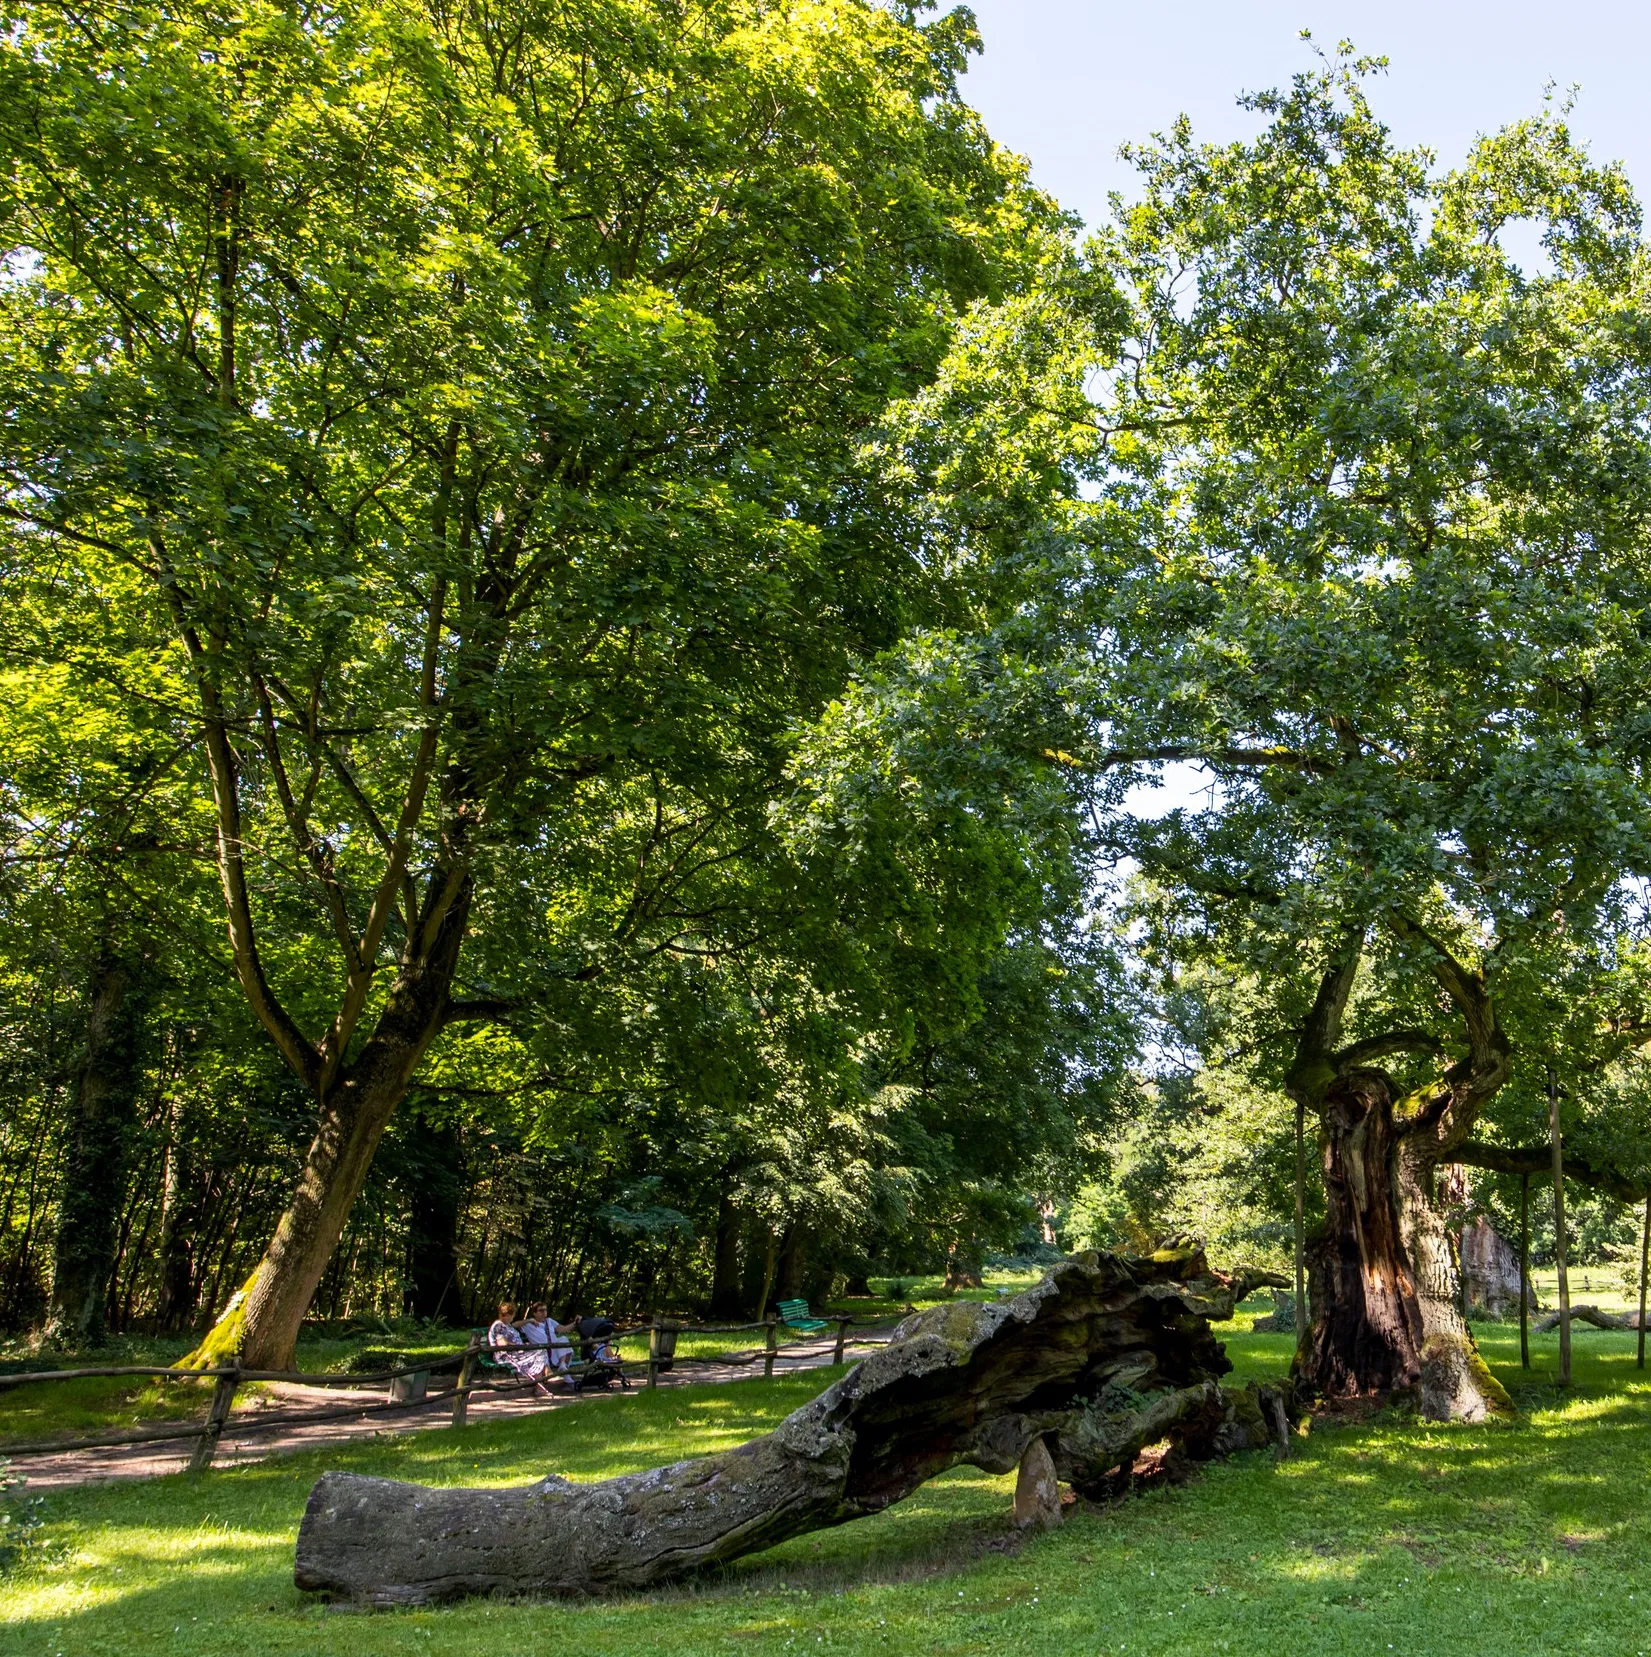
x=1438, y=1540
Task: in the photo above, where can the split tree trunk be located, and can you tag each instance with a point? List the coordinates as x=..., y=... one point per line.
x=103, y=1117
x=1068, y=1362
x=1387, y=1314
x=1367, y=1335
x=1383, y=1283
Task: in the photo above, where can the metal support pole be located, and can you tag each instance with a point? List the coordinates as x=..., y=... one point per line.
x=773, y=1346
x=842, y=1330
x=653, y=1353
x=461, y=1393
x=1301, y=1221
x=223, y=1396
x=1645, y=1257
x=1559, y=1231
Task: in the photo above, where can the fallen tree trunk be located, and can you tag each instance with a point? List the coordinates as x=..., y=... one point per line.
x=1589, y=1314
x=1102, y=1351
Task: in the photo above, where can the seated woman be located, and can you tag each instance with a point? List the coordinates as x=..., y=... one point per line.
x=502, y=1335
x=541, y=1329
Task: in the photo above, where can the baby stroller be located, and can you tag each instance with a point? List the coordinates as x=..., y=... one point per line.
x=601, y=1357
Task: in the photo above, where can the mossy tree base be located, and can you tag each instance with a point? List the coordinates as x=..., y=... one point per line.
x=226, y=1339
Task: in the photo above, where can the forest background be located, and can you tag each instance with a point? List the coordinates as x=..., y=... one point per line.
x=588, y=608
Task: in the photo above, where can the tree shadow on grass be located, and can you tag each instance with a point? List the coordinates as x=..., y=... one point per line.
x=1437, y=1539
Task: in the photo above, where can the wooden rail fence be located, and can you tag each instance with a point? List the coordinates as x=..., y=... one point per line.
x=411, y=1380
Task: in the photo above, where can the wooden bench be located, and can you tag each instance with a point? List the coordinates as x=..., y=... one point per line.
x=794, y=1315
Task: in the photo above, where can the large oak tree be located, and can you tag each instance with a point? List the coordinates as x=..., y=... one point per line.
x=471, y=399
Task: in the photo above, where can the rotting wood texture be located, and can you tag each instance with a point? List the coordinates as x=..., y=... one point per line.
x=1103, y=1350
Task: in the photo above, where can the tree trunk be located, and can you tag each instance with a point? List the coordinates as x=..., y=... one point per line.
x=1456, y=1385
x=1067, y=1361
x=175, y=1305
x=793, y=1267
x=770, y=1256
x=437, y=1198
x=1366, y=1338
x=1384, y=1283
x=103, y=1116
x=1301, y=1225
x=261, y=1322
x=1490, y=1265
x=1645, y=1261
x=1557, y=1145
x=1381, y=1276
x=962, y=1265
x=725, y=1267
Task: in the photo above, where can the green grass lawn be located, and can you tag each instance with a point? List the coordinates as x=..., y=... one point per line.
x=1393, y=1535
x=1600, y=1286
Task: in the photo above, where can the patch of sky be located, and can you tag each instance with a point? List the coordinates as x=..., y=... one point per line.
x=1177, y=786
x=19, y=265
x=1521, y=241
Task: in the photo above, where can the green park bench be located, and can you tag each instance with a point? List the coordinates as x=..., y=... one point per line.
x=794, y=1315
x=486, y=1363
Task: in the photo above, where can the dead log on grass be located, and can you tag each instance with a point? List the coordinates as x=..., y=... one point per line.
x=1589, y=1314
x=1102, y=1357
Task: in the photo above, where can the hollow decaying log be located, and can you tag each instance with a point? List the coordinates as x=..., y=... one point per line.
x=1100, y=1352
x=1588, y=1314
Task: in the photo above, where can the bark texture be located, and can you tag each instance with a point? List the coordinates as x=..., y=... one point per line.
x=1455, y=1384
x=1101, y=1351
x=1386, y=1313
x=260, y=1325
x=726, y=1299
x=1490, y=1263
x=1367, y=1327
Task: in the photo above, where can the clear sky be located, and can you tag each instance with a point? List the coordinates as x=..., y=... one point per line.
x=1066, y=81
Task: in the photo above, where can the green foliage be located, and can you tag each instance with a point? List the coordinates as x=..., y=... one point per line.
x=449, y=482
x=1395, y=494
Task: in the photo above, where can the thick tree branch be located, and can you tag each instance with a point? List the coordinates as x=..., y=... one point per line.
x=1314, y=1069
x=1290, y=759
x=1538, y=1160
x=479, y=1010
x=395, y=867
x=1478, y=1077
x=1371, y=1048
x=296, y=813
x=289, y=1040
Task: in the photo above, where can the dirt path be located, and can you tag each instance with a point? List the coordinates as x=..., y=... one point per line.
x=243, y=1443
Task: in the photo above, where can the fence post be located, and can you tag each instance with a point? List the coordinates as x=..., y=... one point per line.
x=842, y=1329
x=653, y=1352
x=223, y=1395
x=461, y=1393
x=773, y=1347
